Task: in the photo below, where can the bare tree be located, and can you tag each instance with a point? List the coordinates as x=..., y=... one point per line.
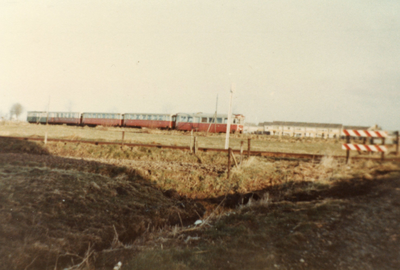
x=16, y=110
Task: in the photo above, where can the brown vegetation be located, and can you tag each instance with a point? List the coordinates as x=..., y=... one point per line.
x=88, y=207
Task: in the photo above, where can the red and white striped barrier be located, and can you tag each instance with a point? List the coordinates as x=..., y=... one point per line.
x=365, y=133
x=364, y=147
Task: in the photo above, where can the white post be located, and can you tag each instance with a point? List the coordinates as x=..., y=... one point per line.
x=228, y=126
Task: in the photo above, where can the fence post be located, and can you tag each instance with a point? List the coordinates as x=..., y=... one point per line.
x=348, y=151
x=195, y=144
x=45, y=138
x=241, y=153
x=191, y=141
x=248, y=147
x=383, y=153
x=123, y=135
x=229, y=161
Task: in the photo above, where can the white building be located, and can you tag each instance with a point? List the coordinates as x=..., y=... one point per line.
x=305, y=129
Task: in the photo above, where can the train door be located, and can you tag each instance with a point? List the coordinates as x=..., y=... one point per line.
x=173, y=124
x=195, y=124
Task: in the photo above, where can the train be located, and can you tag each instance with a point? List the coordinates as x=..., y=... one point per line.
x=179, y=121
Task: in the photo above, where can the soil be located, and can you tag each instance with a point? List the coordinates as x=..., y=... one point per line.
x=51, y=205
x=63, y=212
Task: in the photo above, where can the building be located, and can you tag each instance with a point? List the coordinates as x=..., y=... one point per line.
x=305, y=129
x=251, y=128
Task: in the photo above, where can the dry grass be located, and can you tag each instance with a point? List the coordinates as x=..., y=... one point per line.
x=151, y=136
x=270, y=214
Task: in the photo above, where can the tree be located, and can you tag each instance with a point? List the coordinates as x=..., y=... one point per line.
x=16, y=110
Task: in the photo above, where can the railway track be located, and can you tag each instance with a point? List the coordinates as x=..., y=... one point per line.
x=278, y=155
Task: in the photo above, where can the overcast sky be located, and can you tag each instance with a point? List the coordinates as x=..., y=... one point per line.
x=309, y=61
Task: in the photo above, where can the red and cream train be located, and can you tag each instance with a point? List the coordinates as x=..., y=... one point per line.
x=179, y=121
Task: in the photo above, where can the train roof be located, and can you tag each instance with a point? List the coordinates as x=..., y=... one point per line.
x=101, y=113
x=152, y=113
x=200, y=114
x=64, y=112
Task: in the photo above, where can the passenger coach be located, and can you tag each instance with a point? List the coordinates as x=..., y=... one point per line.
x=208, y=122
x=104, y=119
x=59, y=118
x=149, y=120
x=37, y=117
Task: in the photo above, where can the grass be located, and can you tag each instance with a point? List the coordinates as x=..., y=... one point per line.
x=270, y=214
x=177, y=138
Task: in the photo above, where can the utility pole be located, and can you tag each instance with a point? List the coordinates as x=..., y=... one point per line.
x=228, y=126
x=215, y=117
x=47, y=114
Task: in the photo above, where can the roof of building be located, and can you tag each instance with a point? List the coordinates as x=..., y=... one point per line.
x=306, y=124
x=357, y=127
x=266, y=124
x=247, y=124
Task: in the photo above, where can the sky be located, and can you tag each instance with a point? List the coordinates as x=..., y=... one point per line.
x=307, y=61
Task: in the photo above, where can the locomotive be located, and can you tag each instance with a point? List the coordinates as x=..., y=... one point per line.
x=180, y=121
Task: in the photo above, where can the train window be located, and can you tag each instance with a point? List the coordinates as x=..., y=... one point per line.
x=190, y=119
x=210, y=120
x=204, y=119
x=219, y=120
x=184, y=118
x=160, y=117
x=154, y=117
x=225, y=120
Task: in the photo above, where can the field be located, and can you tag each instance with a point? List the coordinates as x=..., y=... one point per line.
x=81, y=206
